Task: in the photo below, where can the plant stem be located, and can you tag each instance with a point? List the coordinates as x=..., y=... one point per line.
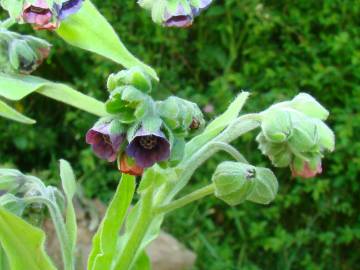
x=237, y=128
x=137, y=234
x=194, y=196
x=60, y=229
x=230, y=150
x=7, y=23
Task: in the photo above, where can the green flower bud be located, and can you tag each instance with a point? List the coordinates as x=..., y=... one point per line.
x=308, y=105
x=276, y=124
x=292, y=134
x=135, y=76
x=128, y=103
x=266, y=187
x=11, y=180
x=279, y=153
x=21, y=53
x=234, y=182
x=181, y=116
x=21, y=56
x=326, y=136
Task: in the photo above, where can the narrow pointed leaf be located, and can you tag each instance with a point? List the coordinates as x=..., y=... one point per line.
x=105, y=239
x=89, y=30
x=16, y=87
x=69, y=187
x=8, y=112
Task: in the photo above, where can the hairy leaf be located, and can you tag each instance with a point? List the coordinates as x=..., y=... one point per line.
x=16, y=87
x=105, y=239
x=89, y=30
x=8, y=112
x=23, y=243
x=69, y=187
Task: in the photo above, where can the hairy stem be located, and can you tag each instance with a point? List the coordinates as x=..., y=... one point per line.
x=60, y=229
x=237, y=128
x=194, y=196
x=7, y=23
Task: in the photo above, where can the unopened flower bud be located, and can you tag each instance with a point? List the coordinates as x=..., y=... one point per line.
x=21, y=53
x=11, y=180
x=306, y=169
x=128, y=103
x=236, y=182
x=135, y=77
x=128, y=165
x=308, y=105
x=292, y=134
x=180, y=115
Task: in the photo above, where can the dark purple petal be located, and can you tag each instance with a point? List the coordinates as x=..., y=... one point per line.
x=148, y=148
x=179, y=18
x=104, y=144
x=204, y=4
x=69, y=7
x=38, y=14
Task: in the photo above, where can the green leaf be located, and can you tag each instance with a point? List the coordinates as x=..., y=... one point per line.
x=23, y=243
x=16, y=87
x=142, y=263
x=217, y=125
x=105, y=239
x=8, y=112
x=69, y=187
x=89, y=30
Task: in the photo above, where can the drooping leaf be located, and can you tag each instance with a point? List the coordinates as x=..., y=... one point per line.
x=8, y=112
x=88, y=29
x=16, y=87
x=69, y=187
x=23, y=243
x=217, y=125
x=105, y=239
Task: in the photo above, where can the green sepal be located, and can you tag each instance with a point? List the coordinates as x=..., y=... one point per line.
x=135, y=76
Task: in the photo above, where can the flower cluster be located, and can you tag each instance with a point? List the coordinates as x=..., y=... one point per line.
x=178, y=13
x=293, y=134
x=43, y=15
x=21, y=53
x=139, y=131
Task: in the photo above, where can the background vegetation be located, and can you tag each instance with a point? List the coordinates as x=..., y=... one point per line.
x=272, y=48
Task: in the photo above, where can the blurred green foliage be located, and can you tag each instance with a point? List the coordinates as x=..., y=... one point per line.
x=272, y=48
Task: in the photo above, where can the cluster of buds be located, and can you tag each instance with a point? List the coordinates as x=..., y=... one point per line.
x=140, y=132
x=47, y=14
x=21, y=53
x=293, y=134
x=177, y=13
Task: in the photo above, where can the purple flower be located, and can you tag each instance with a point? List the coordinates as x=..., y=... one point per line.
x=104, y=144
x=69, y=7
x=203, y=4
x=178, y=18
x=148, y=148
x=40, y=15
